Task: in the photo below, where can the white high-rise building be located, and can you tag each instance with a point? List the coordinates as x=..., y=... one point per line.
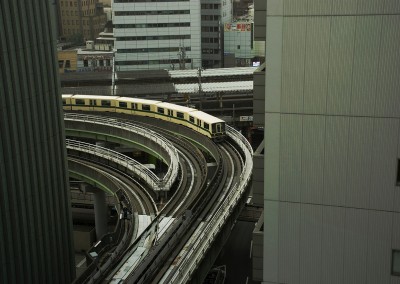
x=157, y=35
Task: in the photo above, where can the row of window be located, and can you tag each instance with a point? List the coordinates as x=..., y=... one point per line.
x=153, y=25
x=146, y=13
x=102, y=62
x=209, y=40
x=163, y=37
x=75, y=3
x=147, y=50
x=210, y=51
x=141, y=1
x=151, y=62
x=210, y=6
x=210, y=29
x=210, y=17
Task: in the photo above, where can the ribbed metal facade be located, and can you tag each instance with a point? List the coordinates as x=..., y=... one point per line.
x=35, y=224
x=332, y=141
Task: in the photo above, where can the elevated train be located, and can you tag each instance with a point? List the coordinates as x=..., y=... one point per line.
x=199, y=121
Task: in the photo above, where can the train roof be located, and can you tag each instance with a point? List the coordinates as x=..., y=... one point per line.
x=137, y=100
x=94, y=97
x=205, y=117
x=66, y=96
x=176, y=107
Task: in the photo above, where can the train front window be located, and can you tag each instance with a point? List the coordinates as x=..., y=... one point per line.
x=219, y=127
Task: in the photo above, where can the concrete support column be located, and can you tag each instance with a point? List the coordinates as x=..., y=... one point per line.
x=100, y=213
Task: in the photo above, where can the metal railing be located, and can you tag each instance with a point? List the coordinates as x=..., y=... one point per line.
x=208, y=231
x=166, y=182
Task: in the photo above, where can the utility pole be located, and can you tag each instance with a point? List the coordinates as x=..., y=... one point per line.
x=200, y=87
x=182, y=57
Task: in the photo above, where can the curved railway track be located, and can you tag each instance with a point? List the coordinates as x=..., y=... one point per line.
x=192, y=203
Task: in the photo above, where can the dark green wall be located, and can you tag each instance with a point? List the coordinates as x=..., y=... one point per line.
x=35, y=223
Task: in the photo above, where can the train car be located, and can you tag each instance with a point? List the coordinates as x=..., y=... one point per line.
x=136, y=106
x=199, y=121
x=174, y=113
x=208, y=125
x=93, y=103
x=66, y=101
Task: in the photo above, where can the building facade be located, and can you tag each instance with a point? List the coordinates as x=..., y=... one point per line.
x=211, y=34
x=332, y=119
x=81, y=20
x=35, y=220
x=157, y=35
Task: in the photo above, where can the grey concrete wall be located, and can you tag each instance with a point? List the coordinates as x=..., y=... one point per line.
x=36, y=244
x=332, y=118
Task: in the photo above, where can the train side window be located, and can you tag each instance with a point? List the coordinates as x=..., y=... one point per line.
x=79, y=102
x=146, y=107
x=92, y=102
x=198, y=122
x=123, y=104
x=206, y=126
x=160, y=110
x=134, y=106
x=179, y=114
x=170, y=113
x=191, y=119
x=105, y=103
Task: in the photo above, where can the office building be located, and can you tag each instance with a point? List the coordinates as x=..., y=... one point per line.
x=157, y=35
x=331, y=177
x=211, y=34
x=81, y=20
x=35, y=221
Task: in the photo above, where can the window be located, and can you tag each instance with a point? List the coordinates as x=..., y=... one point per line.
x=85, y=63
x=238, y=47
x=179, y=114
x=101, y=62
x=67, y=64
x=64, y=102
x=60, y=63
x=170, y=112
x=79, y=102
x=206, y=126
x=396, y=262
x=105, y=103
x=133, y=106
x=160, y=110
x=123, y=104
x=191, y=119
x=92, y=102
x=146, y=107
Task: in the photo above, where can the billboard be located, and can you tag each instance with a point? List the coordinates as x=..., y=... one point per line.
x=238, y=27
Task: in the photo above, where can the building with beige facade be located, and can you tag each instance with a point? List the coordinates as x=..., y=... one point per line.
x=81, y=20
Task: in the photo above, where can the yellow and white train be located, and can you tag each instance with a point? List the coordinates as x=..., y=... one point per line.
x=199, y=121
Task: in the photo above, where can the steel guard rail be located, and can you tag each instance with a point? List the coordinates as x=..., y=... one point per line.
x=172, y=172
x=143, y=172
x=211, y=229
